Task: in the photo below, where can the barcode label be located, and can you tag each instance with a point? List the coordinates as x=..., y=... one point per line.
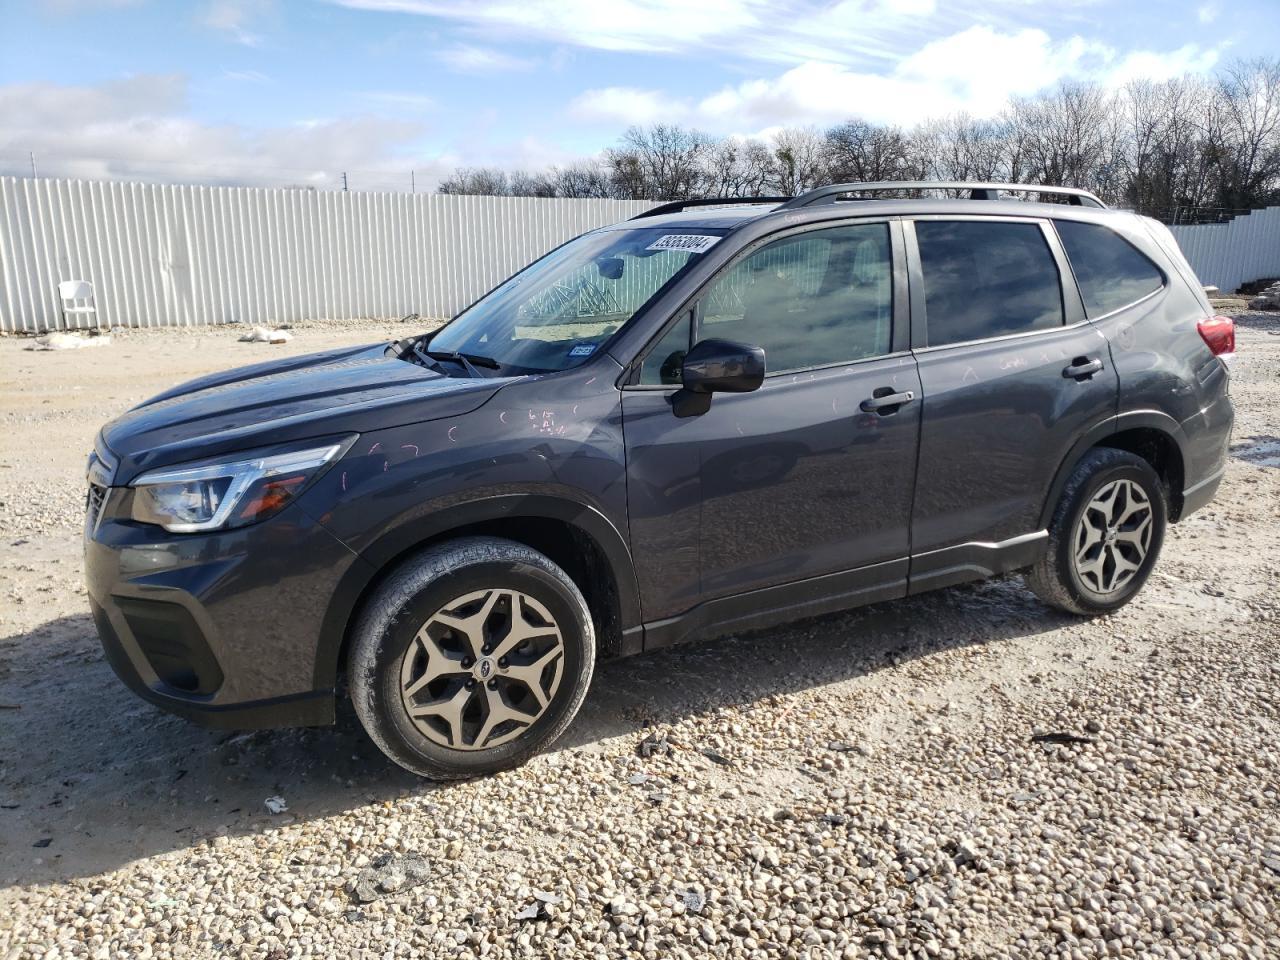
x=688, y=242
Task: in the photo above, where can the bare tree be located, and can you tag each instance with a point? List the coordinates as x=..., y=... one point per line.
x=489, y=181
x=585, y=179
x=799, y=160
x=1065, y=133
x=739, y=167
x=1187, y=147
x=964, y=148
x=1249, y=96
x=522, y=183
x=860, y=151
x=660, y=162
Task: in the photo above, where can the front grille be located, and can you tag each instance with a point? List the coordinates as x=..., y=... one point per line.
x=96, y=497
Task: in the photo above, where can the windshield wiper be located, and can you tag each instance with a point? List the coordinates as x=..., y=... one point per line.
x=469, y=361
x=424, y=359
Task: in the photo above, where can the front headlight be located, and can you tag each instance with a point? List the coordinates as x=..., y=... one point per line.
x=223, y=495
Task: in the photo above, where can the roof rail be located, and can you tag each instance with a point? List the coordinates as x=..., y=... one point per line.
x=977, y=191
x=675, y=206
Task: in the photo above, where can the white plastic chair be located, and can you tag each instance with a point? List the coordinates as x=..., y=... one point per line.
x=77, y=301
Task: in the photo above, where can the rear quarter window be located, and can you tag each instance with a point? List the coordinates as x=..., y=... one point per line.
x=1110, y=271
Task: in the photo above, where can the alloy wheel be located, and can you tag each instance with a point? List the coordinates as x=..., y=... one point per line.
x=1113, y=536
x=482, y=669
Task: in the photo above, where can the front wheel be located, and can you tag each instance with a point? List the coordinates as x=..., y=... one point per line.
x=474, y=656
x=1105, y=535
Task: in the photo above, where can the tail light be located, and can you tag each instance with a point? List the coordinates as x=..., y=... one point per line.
x=1219, y=334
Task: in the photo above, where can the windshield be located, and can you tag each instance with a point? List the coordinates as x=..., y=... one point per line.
x=555, y=313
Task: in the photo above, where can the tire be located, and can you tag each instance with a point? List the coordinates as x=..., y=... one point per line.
x=415, y=648
x=1075, y=574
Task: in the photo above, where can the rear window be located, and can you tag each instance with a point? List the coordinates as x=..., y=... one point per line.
x=986, y=279
x=1109, y=270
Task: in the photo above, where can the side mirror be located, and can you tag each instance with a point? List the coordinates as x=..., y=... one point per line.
x=717, y=366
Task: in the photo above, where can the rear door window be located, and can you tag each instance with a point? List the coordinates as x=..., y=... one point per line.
x=1110, y=271
x=987, y=279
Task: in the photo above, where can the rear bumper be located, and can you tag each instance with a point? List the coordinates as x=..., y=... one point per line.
x=1208, y=444
x=220, y=628
x=1193, y=498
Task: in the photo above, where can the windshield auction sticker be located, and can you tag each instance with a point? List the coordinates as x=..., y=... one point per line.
x=688, y=242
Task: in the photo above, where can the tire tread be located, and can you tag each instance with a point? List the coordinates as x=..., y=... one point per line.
x=381, y=612
x=1046, y=578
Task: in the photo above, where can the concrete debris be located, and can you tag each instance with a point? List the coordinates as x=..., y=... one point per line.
x=265, y=335
x=389, y=874
x=69, y=341
x=693, y=900
x=655, y=744
x=1268, y=299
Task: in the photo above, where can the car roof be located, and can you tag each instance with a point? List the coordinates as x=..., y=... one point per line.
x=710, y=217
x=731, y=216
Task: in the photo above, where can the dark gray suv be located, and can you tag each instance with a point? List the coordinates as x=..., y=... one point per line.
x=711, y=418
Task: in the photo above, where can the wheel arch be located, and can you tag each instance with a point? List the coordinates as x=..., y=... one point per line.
x=1151, y=434
x=575, y=536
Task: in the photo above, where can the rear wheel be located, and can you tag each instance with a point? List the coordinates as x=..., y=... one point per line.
x=471, y=658
x=1105, y=535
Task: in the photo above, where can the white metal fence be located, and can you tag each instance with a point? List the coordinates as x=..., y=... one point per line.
x=1227, y=255
x=160, y=254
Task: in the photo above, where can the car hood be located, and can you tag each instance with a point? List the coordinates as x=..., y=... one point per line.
x=321, y=394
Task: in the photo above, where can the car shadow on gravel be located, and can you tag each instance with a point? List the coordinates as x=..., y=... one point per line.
x=92, y=778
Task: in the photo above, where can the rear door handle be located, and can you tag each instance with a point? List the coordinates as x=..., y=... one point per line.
x=1082, y=368
x=884, y=401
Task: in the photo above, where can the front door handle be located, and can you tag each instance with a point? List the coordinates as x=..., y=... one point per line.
x=884, y=401
x=1082, y=368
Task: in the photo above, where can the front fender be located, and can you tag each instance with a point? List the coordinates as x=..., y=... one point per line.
x=433, y=524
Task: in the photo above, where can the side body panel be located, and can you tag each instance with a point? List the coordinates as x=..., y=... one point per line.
x=788, y=483
x=998, y=419
x=999, y=416
x=540, y=448
x=1165, y=368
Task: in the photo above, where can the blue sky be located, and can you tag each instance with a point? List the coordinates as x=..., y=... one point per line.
x=296, y=91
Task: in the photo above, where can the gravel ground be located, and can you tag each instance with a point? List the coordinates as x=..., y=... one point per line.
x=962, y=774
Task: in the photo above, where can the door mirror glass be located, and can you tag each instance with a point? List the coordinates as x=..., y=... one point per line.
x=717, y=366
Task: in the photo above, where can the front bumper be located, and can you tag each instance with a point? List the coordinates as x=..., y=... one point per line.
x=222, y=628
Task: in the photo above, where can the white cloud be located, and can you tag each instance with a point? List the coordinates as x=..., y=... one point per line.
x=976, y=70
x=232, y=17
x=788, y=31
x=398, y=99
x=1144, y=64
x=138, y=129
x=656, y=25
x=628, y=105
x=76, y=6
x=465, y=58
x=246, y=76
x=1207, y=13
